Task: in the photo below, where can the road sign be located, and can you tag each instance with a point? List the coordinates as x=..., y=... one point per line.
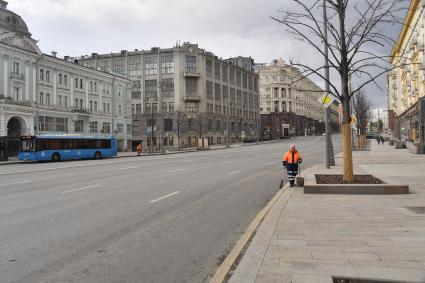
x=353, y=120
x=326, y=100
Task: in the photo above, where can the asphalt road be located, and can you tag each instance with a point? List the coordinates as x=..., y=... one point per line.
x=149, y=219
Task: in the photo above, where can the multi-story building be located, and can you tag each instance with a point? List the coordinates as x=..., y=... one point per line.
x=185, y=93
x=406, y=87
x=287, y=95
x=42, y=94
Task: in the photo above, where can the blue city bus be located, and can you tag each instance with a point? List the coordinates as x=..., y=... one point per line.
x=66, y=147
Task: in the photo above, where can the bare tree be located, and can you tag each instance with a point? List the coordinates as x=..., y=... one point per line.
x=355, y=32
x=362, y=110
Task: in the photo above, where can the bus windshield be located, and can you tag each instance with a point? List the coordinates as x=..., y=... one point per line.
x=27, y=144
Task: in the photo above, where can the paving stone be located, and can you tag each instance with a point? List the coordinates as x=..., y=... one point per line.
x=262, y=278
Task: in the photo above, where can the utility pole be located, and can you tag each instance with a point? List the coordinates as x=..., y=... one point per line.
x=329, y=158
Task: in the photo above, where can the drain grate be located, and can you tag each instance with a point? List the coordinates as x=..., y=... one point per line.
x=417, y=209
x=358, y=280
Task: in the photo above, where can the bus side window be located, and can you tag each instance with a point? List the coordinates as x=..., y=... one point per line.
x=41, y=145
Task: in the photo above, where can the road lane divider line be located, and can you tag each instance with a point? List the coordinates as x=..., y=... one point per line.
x=177, y=170
x=269, y=163
x=80, y=189
x=234, y=172
x=164, y=197
x=131, y=167
x=15, y=183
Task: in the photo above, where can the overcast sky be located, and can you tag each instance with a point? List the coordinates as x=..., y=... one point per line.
x=225, y=27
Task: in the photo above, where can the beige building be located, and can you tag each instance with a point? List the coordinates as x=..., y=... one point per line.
x=406, y=83
x=284, y=89
x=195, y=93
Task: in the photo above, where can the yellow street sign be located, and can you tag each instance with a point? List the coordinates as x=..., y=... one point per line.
x=353, y=120
x=326, y=100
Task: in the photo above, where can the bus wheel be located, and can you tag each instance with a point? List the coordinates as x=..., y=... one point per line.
x=56, y=157
x=97, y=155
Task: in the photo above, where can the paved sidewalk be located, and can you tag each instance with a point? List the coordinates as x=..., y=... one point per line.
x=315, y=237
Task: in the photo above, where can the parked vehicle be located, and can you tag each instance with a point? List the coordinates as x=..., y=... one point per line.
x=66, y=147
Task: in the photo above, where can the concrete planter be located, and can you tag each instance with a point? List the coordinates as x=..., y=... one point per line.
x=311, y=187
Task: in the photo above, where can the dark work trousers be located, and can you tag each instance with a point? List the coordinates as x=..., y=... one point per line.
x=292, y=170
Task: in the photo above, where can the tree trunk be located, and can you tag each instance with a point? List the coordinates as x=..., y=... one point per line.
x=348, y=157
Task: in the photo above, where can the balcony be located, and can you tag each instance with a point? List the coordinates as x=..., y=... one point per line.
x=191, y=74
x=17, y=76
x=81, y=110
x=196, y=98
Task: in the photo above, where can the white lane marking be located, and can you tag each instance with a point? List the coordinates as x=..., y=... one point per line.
x=269, y=163
x=177, y=170
x=164, y=197
x=125, y=168
x=228, y=162
x=80, y=189
x=234, y=172
x=15, y=183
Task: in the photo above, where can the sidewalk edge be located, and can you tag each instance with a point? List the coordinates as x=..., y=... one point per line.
x=226, y=265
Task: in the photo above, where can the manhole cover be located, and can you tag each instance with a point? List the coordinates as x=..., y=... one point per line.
x=417, y=209
x=358, y=280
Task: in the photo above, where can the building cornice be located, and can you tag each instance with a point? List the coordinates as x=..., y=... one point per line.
x=404, y=31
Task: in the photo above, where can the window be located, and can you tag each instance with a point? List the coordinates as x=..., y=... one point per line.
x=103, y=66
x=224, y=73
x=47, y=76
x=118, y=65
x=218, y=126
x=167, y=64
x=209, y=68
x=190, y=64
x=217, y=70
x=60, y=79
x=16, y=93
x=95, y=106
x=79, y=126
x=151, y=65
x=238, y=78
x=91, y=86
x=217, y=109
x=65, y=101
x=191, y=87
x=245, y=80
x=52, y=124
x=47, y=98
x=41, y=75
x=210, y=90
x=232, y=76
x=119, y=110
x=16, y=68
x=135, y=66
x=136, y=91
x=106, y=128
x=109, y=108
x=59, y=100
x=151, y=88
x=232, y=95
x=191, y=124
x=104, y=107
x=120, y=128
x=250, y=83
x=217, y=92
x=95, y=86
x=209, y=125
x=81, y=104
x=171, y=107
x=168, y=125
x=91, y=105
x=93, y=127
x=167, y=87
x=76, y=83
x=225, y=92
x=76, y=103
x=65, y=80
x=138, y=108
x=81, y=83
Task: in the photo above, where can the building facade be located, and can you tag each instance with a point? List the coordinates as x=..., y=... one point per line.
x=406, y=83
x=42, y=94
x=288, y=98
x=183, y=94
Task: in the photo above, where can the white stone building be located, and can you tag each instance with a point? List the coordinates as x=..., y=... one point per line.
x=284, y=89
x=42, y=94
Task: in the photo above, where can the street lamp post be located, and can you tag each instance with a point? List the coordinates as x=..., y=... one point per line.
x=329, y=158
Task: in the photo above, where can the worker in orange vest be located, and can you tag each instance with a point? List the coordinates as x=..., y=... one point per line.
x=139, y=149
x=290, y=162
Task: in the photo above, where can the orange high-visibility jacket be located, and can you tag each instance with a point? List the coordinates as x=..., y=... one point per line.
x=292, y=157
x=139, y=147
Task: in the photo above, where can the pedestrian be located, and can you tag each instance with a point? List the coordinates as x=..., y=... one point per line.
x=382, y=140
x=378, y=139
x=139, y=149
x=290, y=162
